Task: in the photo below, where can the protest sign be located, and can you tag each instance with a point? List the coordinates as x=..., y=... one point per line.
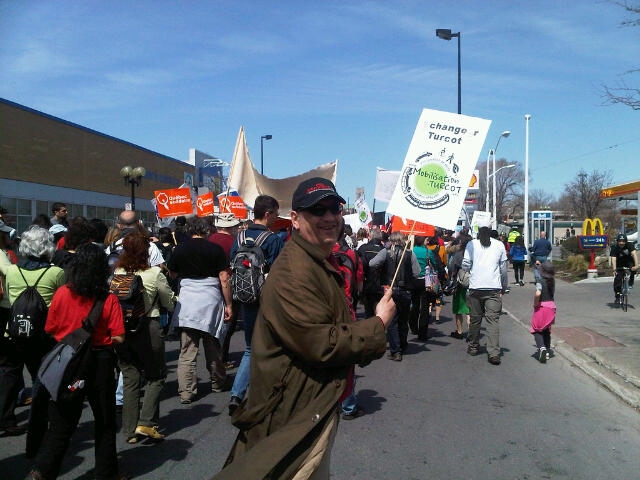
x=439, y=163
x=173, y=202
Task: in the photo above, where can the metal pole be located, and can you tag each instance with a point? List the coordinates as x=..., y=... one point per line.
x=493, y=186
x=261, y=155
x=133, y=194
x=459, y=77
x=486, y=203
x=527, y=117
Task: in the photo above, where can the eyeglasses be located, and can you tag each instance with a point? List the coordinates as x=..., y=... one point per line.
x=319, y=210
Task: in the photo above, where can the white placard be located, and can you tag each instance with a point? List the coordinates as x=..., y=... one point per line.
x=440, y=161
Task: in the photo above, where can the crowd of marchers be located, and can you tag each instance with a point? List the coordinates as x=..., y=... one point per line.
x=313, y=301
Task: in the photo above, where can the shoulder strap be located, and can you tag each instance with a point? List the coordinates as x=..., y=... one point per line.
x=262, y=237
x=39, y=278
x=90, y=321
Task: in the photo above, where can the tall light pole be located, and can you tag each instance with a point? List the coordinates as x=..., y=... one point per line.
x=492, y=156
x=133, y=177
x=527, y=117
x=445, y=34
x=263, y=137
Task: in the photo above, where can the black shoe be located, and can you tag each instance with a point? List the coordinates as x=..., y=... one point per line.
x=456, y=334
x=494, y=360
x=357, y=413
x=234, y=403
x=472, y=351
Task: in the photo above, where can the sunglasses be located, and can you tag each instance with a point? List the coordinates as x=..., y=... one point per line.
x=320, y=210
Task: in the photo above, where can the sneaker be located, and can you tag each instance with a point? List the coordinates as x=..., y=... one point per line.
x=494, y=360
x=234, y=403
x=543, y=355
x=396, y=357
x=357, y=413
x=456, y=334
x=521, y=283
x=151, y=432
x=472, y=351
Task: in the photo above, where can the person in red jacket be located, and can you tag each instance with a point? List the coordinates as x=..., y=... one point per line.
x=86, y=282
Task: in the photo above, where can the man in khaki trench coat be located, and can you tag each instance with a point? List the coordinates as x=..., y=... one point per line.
x=304, y=345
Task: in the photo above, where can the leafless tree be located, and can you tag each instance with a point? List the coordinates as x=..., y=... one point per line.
x=540, y=200
x=582, y=195
x=509, y=183
x=622, y=92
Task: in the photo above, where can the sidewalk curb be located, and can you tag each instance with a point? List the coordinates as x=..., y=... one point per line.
x=624, y=389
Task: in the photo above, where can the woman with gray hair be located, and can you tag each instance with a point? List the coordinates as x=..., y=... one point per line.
x=33, y=268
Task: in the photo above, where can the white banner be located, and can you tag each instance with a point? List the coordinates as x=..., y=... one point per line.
x=440, y=161
x=363, y=212
x=386, y=181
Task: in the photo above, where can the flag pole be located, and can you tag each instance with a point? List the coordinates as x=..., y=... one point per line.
x=402, y=256
x=233, y=164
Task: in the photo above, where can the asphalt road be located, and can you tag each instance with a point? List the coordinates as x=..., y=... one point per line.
x=438, y=414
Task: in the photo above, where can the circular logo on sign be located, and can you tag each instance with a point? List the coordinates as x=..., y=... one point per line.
x=429, y=182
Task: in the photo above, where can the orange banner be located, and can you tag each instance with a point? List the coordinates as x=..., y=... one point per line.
x=233, y=204
x=204, y=205
x=173, y=202
x=407, y=226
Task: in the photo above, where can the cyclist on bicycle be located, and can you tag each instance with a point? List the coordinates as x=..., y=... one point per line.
x=623, y=254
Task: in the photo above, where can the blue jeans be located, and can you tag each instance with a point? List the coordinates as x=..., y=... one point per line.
x=349, y=404
x=541, y=259
x=248, y=314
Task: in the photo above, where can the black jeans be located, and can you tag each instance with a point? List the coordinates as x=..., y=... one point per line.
x=398, y=330
x=617, y=280
x=518, y=270
x=10, y=375
x=64, y=418
x=543, y=339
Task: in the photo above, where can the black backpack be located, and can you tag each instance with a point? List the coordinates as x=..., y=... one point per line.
x=28, y=312
x=248, y=268
x=65, y=370
x=130, y=291
x=113, y=256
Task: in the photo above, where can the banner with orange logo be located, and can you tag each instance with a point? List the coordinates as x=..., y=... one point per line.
x=173, y=202
x=205, y=205
x=408, y=227
x=232, y=204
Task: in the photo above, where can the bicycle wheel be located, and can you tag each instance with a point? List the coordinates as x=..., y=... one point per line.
x=624, y=301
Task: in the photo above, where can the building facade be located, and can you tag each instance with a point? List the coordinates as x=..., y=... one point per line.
x=44, y=159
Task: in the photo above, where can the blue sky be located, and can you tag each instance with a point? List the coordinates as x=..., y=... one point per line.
x=330, y=80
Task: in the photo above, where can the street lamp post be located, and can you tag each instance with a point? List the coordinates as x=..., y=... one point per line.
x=445, y=34
x=492, y=158
x=494, y=176
x=527, y=117
x=133, y=177
x=263, y=137
x=504, y=134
